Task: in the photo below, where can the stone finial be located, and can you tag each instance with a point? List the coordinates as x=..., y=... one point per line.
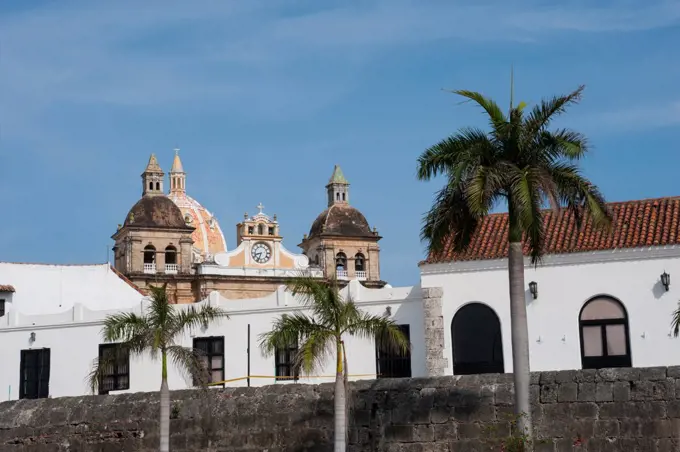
x=337, y=177
x=245, y=216
x=177, y=163
x=153, y=166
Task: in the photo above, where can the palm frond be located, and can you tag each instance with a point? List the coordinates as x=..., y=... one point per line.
x=449, y=218
x=381, y=329
x=124, y=326
x=455, y=154
x=100, y=365
x=188, y=362
x=580, y=195
x=288, y=329
x=482, y=187
x=525, y=206
x=675, y=323
x=190, y=318
x=543, y=113
x=496, y=116
x=561, y=144
x=315, y=351
x=322, y=297
x=159, y=311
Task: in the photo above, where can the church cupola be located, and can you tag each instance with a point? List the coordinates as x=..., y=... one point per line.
x=152, y=178
x=337, y=188
x=177, y=176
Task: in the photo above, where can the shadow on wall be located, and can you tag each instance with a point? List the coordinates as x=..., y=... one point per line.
x=385, y=411
x=658, y=289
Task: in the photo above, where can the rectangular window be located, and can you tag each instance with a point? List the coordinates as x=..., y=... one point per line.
x=250, y=230
x=271, y=230
x=212, y=357
x=2, y=307
x=34, y=379
x=392, y=363
x=284, y=359
x=115, y=360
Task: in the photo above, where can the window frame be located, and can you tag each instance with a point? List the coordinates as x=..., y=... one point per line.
x=292, y=370
x=604, y=360
x=381, y=360
x=210, y=340
x=43, y=380
x=115, y=375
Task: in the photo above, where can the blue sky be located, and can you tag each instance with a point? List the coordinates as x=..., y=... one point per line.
x=265, y=96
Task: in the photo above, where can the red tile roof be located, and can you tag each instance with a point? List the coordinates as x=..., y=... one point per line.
x=641, y=223
x=6, y=288
x=126, y=280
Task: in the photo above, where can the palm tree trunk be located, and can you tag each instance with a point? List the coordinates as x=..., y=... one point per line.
x=520, y=336
x=165, y=408
x=348, y=396
x=340, y=403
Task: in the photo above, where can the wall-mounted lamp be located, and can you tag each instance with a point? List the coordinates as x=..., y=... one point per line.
x=533, y=288
x=665, y=280
x=31, y=338
x=388, y=311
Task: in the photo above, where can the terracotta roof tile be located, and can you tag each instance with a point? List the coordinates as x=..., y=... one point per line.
x=6, y=288
x=640, y=223
x=126, y=280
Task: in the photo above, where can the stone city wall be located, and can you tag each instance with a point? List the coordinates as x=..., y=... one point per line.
x=607, y=410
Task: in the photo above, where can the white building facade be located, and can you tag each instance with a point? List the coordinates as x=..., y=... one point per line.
x=50, y=354
x=598, y=299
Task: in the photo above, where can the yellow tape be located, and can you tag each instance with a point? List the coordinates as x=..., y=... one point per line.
x=285, y=378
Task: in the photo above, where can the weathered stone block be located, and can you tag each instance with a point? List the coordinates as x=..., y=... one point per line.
x=549, y=393
x=505, y=394
x=445, y=432
x=653, y=373
x=673, y=372
x=587, y=410
x=423, y=433
x=469, y=431
x=621, y=391
x=604, y=392
x=399, y=433
x=606, y=428
x=567, y=392
x=586, y=392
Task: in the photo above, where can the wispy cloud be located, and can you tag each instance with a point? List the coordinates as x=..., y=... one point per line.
x=634, y=118
x=259, y=57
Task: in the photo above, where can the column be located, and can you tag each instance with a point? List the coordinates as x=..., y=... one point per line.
x=435, y=362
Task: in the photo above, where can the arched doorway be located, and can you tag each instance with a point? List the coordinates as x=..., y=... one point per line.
x=477, y=341
x=605, y=337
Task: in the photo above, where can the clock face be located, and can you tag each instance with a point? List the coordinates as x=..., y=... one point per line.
x=261, y=252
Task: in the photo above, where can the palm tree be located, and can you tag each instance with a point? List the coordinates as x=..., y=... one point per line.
x=157, y=333
x=526, y=165
x=320, y=335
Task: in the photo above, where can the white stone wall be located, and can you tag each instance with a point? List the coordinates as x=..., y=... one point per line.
x=48, y=289
x=565, y=284
x=74, y=337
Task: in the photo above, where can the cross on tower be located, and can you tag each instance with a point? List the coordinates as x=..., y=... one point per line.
x=260, y=207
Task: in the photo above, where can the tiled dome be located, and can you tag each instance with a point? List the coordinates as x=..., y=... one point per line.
x=208, y=237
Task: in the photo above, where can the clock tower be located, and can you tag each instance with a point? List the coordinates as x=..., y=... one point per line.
x=260, y=237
